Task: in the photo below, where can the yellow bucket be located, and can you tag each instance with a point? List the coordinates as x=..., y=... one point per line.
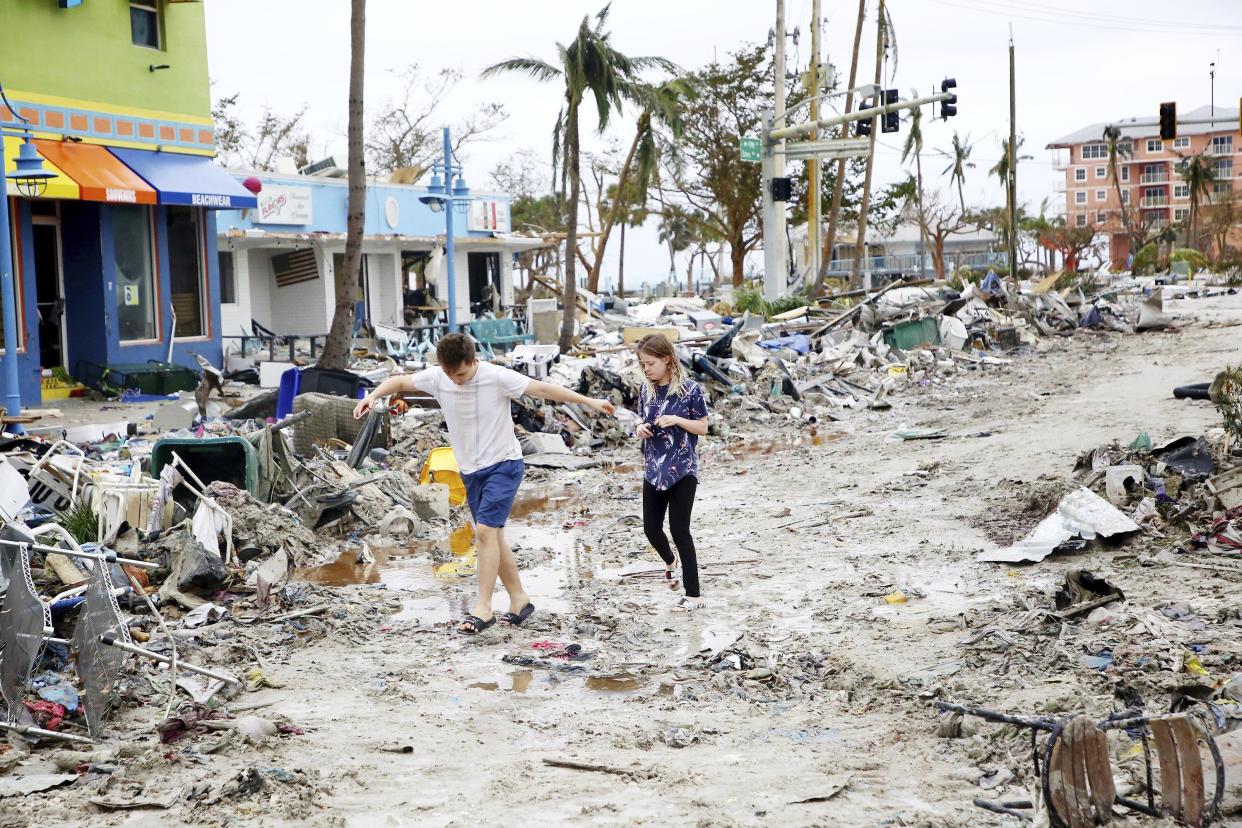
x=441, y=467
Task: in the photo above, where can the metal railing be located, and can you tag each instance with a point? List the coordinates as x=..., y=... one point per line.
x=1154, y=178
x=1154, y=201
x=1220, y=149
x=910, y=263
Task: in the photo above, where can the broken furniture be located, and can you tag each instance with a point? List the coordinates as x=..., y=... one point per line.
x=497, y=334
x=1076, y=775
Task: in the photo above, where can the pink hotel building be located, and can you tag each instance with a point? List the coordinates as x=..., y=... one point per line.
x=1150, y=181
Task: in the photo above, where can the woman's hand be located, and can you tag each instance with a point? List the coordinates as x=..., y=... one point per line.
x=644, y=431
x=669, y=420
x=363, y=406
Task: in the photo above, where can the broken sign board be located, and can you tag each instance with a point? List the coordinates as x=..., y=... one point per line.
x=1080, y=513
x=51, y=485
x=630, y=336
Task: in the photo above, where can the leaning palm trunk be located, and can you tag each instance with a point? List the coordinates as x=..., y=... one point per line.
x=569, y=294
x=346, y=280
x=618, y=205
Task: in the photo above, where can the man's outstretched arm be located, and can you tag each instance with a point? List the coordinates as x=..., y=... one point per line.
x=559, y=393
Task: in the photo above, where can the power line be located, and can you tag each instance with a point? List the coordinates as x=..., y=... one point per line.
x=994, y=9
x=1044, y=8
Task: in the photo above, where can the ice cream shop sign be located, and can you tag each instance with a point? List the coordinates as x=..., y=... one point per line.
x=283, y=205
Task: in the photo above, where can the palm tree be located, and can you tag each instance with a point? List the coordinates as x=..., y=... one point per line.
x=345, y=281
x=588, y=65
x=914, y=145
x=661, y=106
x=675, y=230
x=1199, y=172
x=1118, y=151
x=959, y=162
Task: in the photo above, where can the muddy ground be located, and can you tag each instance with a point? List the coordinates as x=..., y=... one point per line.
x=799, y=696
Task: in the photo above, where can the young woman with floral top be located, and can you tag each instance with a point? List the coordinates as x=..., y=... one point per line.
x=673, y=416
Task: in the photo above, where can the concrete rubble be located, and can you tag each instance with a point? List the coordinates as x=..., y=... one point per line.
x=249, y=540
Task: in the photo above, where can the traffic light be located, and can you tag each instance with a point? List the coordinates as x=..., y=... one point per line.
x=862, y=128
x=1168, y=121
x=892, y=120
x=948, y=108
x=782, y=188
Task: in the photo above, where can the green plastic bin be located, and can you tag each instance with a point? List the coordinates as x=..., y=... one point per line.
x=231, y=459
x=907, y=336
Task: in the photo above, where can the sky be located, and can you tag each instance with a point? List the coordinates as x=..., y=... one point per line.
x=1077, y=63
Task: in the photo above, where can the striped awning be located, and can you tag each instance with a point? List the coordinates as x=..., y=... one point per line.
x=100, y=175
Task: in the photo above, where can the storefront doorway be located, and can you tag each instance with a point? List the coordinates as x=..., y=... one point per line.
x=49, y=284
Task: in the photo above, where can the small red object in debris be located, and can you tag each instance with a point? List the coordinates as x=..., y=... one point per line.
x=47, y=715
x=253, y=184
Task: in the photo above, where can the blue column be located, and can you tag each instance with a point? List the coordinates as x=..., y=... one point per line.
x=448, y=232
x=12, y=394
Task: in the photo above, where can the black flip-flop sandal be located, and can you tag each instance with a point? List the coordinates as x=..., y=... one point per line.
x=477, y=623
x=510, y=619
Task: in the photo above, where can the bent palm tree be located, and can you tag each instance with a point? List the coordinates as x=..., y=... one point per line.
x=588, y=65
x=661, y=106
x=959, y=162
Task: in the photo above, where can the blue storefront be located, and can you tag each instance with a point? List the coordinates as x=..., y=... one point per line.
x=118, y=259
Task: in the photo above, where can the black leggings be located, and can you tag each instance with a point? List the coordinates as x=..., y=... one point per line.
x=678, y=501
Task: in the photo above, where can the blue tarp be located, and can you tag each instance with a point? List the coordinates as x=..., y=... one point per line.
x=798, y=343
x=192, y=180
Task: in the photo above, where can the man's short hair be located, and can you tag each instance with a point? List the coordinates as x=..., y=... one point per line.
x=454, y=351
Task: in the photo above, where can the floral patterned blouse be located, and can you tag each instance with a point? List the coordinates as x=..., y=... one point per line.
x=671, y=453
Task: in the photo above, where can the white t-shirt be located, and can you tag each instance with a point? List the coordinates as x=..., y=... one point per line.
x=479, y=422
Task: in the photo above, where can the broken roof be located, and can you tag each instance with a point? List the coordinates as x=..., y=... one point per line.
x=1095, y=132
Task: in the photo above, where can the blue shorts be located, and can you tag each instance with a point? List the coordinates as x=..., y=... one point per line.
x=490, y=491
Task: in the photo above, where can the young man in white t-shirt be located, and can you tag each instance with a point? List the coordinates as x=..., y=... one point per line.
x=474, y=397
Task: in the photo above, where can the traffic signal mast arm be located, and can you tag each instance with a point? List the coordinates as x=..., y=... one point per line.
x=802, y=130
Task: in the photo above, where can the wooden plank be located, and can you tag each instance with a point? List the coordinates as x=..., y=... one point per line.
x=1077, y=795
x=1190, y=760
x=1100, y=776
x=1058, y=778
x=1170, y=775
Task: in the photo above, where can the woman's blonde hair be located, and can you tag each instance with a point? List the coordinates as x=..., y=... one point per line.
x=659, y=346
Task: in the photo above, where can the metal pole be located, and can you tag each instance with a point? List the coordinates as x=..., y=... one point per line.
x=12, y=392
x=1013, y=166
x=775, y=271
x=448, y=232
x=814, y=168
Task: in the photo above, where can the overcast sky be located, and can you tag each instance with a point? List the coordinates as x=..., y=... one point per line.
x=1077, y=63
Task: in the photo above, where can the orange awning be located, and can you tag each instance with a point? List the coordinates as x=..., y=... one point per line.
x=100, y=175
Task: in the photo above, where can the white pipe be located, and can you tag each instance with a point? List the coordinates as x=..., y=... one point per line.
x=163, y=659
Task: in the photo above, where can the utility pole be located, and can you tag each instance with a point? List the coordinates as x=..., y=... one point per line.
x=774, y=271
x=1212, y=72
x=1013, y=166
x=838, y=182
x=813, y=166
x=860, y=243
